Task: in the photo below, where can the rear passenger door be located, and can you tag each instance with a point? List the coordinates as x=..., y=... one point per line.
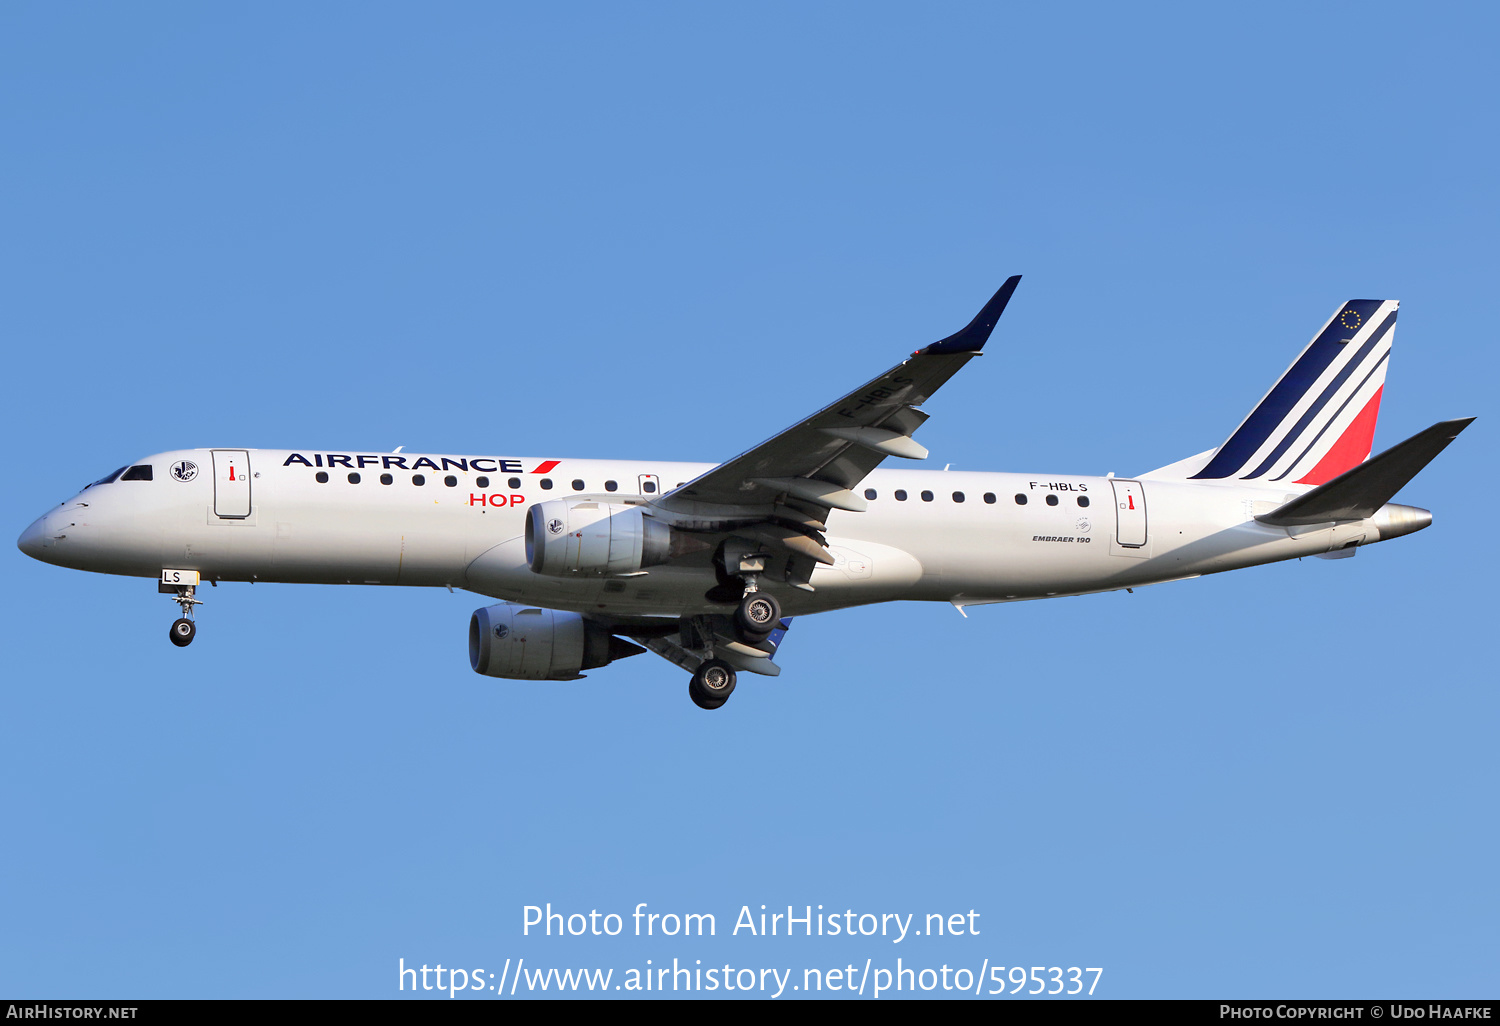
x=1130, y=513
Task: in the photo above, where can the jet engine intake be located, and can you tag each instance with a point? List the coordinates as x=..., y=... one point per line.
x=565, y=538
x=530, y=643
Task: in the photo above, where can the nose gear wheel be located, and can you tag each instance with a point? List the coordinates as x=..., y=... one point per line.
x=183, y=629
x=182, y=632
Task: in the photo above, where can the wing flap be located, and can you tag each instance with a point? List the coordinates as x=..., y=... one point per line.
x=705, y=643
x=887, y=443
x=814, y=490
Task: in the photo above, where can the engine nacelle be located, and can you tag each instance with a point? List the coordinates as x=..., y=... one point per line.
x=564, y=538
x=531, y=643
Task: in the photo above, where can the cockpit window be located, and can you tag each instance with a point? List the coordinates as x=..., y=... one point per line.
x=107, y=479
x=137, y=473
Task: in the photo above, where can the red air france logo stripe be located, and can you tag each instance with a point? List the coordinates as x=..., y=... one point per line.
x=1351, y=448
x=545, y=467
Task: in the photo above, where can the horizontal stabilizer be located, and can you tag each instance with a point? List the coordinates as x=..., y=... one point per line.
x=1357, y=494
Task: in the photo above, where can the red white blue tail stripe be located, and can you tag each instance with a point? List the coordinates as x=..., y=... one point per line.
x=1318, y=420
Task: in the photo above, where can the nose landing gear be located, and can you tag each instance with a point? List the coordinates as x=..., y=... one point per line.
x=182, y=632
x=183, y=629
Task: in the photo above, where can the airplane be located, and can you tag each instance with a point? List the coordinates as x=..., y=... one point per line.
x=706, y=565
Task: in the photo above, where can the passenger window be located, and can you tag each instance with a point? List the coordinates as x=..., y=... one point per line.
x=869, y=493
x=577, y=485
x=1052, y=500
x=482, y=482
x=900, y=494
x=958, y=496
x=1083, y=500
x=418, y=479
x=547, y=483
x=649, y=487
x=514, y=482
x=354, y=479
x=926, y=496
x=322, y=477
x=140, y=473
x=387, y=479
x=451, y=481
x=611, y=486
x=1020, y=498
x=989, y=497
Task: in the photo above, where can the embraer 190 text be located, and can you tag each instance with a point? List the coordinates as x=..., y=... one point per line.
x=705, y=565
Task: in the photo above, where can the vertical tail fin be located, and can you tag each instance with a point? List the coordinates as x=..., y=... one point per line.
x=1318, y=420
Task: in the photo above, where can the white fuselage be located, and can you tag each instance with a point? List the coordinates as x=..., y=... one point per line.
x=462, y=527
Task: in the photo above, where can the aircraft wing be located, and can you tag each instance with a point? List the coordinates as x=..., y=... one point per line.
x=814, y=465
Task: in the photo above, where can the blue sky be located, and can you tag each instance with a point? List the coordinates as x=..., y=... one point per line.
x=668, y=231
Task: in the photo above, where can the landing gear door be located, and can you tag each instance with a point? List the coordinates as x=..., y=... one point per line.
x=1130, y=513
x=650, y=485
x=231, y=483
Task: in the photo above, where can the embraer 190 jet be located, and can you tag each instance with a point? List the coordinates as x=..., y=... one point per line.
x=596, y=560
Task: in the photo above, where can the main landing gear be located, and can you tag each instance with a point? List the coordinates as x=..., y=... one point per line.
x=756, y=617
x=712, y=684
x=183, y=629
x=758, y=614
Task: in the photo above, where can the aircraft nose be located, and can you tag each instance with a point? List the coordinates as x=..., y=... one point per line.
x=34, y=538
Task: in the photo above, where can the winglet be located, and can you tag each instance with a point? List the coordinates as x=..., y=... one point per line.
x=972, y=338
